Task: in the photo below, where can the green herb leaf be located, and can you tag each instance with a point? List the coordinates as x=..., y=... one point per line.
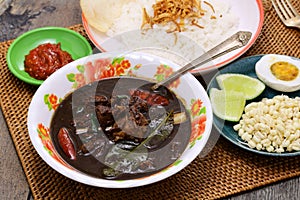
x=71, y=77
x=154, y=132
x=177, y=162
x=123, y=161
x=80, y=68
x=199, y=138
x=202, y=111
x=75, y=85
x=159, y=77
x=46, y=99
x=192, y=143
x=117, y=60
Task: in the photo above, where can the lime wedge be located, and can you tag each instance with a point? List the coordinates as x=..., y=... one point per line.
x=227, y=105
x=251, y=87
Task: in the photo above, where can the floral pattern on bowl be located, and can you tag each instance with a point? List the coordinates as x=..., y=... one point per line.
x=198, y=114
x=119, y=66
x=104, y=65
x=100, y=68
x=52, y=101
x=44, y=135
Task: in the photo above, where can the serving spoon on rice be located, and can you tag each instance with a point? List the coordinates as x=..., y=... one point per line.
x=236, y=41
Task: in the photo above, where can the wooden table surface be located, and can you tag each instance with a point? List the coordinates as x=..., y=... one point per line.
x=19, y=16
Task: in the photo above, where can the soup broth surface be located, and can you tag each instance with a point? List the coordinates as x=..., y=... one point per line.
x=119, y=129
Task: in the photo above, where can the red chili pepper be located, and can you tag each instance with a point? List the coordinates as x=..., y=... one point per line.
x=152, y=99
x=160, y=100
x=143, y=95
x=66, y=143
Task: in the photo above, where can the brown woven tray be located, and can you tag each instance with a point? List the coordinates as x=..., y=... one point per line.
x=225, y=171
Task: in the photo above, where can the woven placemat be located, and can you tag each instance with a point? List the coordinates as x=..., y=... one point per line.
x=225, y=171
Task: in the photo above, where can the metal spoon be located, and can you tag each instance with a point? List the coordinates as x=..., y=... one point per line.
x=234, y=42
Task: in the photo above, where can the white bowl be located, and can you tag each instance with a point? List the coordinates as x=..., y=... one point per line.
x=78, y=73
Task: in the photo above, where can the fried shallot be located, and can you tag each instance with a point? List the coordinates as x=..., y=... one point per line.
x=175, y=13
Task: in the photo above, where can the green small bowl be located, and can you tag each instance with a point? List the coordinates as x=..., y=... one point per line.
x=71, y=41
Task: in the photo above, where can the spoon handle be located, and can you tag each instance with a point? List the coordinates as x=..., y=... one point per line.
x=234, y=42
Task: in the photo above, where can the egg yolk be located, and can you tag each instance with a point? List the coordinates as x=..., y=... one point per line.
x=284, y=71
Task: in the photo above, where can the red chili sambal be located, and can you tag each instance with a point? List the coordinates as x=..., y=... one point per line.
x=45, y=59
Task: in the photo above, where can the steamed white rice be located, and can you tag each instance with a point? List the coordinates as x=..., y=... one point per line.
x=126, y=30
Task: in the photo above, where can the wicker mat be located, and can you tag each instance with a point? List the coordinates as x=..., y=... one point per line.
x=225, y=171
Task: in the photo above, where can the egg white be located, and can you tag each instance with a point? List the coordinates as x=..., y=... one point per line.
x=263, y=72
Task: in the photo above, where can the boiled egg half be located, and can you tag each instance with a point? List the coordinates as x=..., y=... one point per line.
x=280, y=72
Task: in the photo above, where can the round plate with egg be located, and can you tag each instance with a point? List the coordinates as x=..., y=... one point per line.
x=247, y=66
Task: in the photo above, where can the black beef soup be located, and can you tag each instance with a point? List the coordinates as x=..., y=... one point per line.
x=119, y=129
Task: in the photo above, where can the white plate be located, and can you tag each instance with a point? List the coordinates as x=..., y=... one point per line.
x=104, y=65
x=249, y=12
